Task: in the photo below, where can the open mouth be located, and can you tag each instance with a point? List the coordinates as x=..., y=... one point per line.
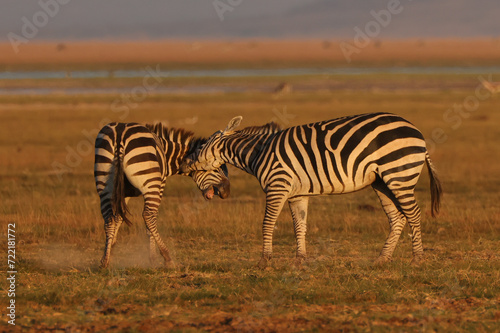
x=208, y=194
x=212, y=191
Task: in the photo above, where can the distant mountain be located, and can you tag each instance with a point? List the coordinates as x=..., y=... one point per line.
x=154, y=19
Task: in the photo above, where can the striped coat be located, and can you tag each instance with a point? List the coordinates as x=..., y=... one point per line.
x=329, y=157
x=133, y=160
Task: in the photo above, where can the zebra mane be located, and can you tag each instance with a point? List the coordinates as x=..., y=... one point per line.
x=271, y=127
x=178, y=135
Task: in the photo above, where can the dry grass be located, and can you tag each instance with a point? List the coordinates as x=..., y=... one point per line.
x=248, y=53
x=215, y=285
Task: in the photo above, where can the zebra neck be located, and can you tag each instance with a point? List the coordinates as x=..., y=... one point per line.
x=174, y=152
x=244, y=151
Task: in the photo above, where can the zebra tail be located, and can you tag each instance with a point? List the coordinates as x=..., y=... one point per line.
x=436, y=189
x=118, y=197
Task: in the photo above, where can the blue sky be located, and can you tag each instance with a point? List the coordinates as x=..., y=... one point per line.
x=199, y=19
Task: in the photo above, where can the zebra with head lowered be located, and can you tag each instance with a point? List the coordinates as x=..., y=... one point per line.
x=329, y=157
x=132, y=159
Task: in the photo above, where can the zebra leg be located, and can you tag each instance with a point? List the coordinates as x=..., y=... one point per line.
x=150, y=215
x=274, y=203
x=396, y=218
x=408, y=205
x=413, y=214
x=111, y=226
x=298, y=207
x=153, y=249
x=119, y=221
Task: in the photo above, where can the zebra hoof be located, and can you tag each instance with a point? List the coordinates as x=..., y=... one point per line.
x=300, y=260
x=262, y=263
x=382, y=261
x=417, y=260
x=104, y=263
x=169, y=264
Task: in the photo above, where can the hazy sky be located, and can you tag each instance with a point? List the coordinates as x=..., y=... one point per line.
x=153, y=19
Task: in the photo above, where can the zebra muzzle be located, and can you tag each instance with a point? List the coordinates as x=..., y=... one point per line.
x=209, y=193
x=223, y=189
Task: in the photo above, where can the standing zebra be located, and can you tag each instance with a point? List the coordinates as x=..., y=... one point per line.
x=132, y=159
x=329, y=157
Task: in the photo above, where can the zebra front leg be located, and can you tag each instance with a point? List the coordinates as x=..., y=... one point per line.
x=150, y=217
x=397, y=220
x=274, y=203
x=298, y=207
x=111, y=227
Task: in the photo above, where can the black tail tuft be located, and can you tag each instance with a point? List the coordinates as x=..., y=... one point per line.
x=436, y=189
x=118, y=197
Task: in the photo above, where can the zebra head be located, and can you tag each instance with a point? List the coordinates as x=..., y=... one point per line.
x=209, y=156
x=215, y=182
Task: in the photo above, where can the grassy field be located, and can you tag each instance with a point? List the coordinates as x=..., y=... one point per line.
x=47, y=190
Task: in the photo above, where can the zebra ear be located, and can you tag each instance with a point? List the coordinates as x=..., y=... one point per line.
x=235, y=122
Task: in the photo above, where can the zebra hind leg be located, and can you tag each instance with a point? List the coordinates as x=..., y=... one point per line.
x=111, y=226
x=397, y=219
x=119, y=221
x=406, y=199
x=150, y=215
x=153, y=249
x=298, y=208
x=413, y=214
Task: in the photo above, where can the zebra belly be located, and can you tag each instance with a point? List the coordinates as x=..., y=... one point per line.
x=352, y=186
x=333, y=186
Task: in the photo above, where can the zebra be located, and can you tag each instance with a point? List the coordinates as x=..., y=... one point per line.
x=329, y=157
x=132, y=159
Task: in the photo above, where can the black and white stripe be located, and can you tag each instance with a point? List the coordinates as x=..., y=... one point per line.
x=133, y=160
x=329, y=157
